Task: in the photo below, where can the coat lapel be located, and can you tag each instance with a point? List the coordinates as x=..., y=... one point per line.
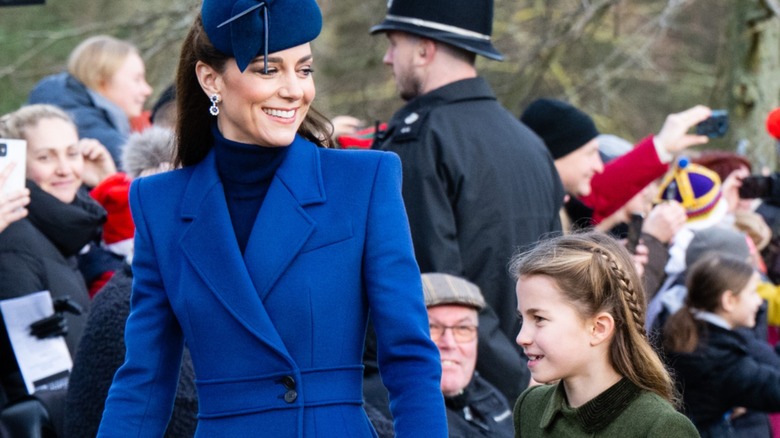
x=210, y=246
x=283, y=226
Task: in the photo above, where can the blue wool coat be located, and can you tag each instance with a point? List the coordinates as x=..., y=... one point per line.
x=276, y=335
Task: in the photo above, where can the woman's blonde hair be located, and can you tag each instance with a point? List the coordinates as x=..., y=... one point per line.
x=596, y=274
x=97, y=59
x=15, y=124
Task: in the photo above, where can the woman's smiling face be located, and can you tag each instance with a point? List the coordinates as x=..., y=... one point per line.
x=266, y=109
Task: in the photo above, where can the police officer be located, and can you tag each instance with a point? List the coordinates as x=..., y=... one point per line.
x=477, y=184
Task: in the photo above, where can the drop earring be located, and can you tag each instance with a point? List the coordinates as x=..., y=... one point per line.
x=214, y=109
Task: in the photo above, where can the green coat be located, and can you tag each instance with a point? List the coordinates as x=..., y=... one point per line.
x=623, y=410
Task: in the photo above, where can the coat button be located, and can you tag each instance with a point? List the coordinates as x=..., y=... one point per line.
x=290, y=396
x=288, y=382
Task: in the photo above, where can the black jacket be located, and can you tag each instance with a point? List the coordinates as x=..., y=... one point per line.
x=481, y=411
x=477, y=185
x=727, y=370
x=102, y=352
x=39, y=253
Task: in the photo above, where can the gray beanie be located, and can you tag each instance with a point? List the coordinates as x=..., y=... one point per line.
x=717, y=239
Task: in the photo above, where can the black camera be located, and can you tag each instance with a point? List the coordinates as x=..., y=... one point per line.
x=714, y=126
x=761, y=187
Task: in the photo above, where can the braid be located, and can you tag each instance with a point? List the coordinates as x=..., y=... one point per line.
x=628, y=293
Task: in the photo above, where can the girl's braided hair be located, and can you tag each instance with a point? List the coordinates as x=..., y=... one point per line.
x=595, y=273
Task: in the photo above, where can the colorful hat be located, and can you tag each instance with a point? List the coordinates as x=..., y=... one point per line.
x=695, y=187
x=448, y=289
x=467, y=24
x=245, y=29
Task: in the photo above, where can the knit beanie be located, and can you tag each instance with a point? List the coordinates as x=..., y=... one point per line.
x=717, y=239
x=561, y=126
x=112, y=194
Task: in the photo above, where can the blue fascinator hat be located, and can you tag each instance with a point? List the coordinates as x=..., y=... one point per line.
x=245, y=29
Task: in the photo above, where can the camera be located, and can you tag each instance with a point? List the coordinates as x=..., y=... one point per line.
x=762, y=187
x=714, y=126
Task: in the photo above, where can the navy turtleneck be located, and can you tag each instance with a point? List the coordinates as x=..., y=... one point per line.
x=246, y=171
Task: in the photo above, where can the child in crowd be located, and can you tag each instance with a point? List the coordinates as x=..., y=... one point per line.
x=718, y=367
x=582, y=313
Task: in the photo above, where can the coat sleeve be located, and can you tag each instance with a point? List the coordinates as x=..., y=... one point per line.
x=140, y=400
x=408, y=361
x=623, y=178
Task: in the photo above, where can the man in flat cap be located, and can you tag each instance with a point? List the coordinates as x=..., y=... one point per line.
x=475, y=408
x=477, y=184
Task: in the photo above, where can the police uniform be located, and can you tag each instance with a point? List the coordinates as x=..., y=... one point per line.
x=477, y=183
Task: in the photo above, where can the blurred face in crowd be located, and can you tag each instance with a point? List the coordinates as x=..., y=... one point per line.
x=266, y=108
x=400, y=55
x=128, y=88
x=740, y=309
x=54, y=159
x=454, y=330
x=577, y=168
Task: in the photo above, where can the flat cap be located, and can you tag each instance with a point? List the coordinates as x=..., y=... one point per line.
x=448, y=289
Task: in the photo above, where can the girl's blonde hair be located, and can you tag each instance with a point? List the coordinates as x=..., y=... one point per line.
x=97, y=59
x=15, y=124
x=707, y=280
x=596, y=274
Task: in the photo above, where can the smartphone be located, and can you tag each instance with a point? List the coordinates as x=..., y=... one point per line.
x=634, y=231
x=13, y=151
x=714, y=126
x=756, y=186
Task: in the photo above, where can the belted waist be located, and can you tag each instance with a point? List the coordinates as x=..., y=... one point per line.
x=315, y=387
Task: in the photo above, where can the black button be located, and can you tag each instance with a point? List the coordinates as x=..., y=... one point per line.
x=288, y=382
x=290, y=396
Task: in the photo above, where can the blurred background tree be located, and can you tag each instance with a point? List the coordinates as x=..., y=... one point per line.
x=628, y=63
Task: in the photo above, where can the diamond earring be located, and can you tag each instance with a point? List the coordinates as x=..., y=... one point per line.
x=214, y=109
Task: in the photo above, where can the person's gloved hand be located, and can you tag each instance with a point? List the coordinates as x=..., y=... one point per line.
x=56, y=324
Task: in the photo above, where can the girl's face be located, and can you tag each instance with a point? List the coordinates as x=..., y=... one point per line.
x=553, y=334
x=744, y=305
x=54, y=159
x=266, y=109
x=128, y=88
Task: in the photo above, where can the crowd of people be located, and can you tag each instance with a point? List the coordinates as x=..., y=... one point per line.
x=231, y=262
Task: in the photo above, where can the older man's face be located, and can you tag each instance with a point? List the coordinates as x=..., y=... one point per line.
x=454, y=330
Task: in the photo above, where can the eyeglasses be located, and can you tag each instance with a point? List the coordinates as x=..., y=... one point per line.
x=461, y=333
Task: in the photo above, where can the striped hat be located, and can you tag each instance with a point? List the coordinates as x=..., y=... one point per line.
x=448, y=289
x=695, y=187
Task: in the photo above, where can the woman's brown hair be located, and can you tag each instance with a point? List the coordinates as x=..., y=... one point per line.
x=193, y=127
x=596, y=274
x=706, y=281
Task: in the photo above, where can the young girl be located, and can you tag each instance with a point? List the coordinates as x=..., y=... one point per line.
x=582, y=309
x=718, y=368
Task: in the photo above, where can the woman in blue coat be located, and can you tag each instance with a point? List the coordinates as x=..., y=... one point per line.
x=266, y=253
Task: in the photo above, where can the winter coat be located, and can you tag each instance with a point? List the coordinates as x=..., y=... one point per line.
x=478, y=185
x=727, y=370
x=480, y=411
x=623, y=410
x=39, y=253
x=276, y=334
x=95, y=116
x=102, y=351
